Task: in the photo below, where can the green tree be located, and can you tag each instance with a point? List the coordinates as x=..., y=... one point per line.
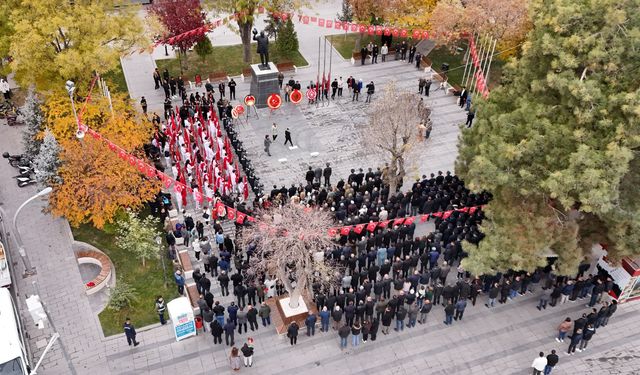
x=346, y=15
x=57, y=40
x=47, y=162
x=557, y=144
x=204, y=48
x=138, y=236
x=287, y=42
x=122, y=295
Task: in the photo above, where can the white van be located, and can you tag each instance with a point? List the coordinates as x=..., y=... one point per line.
x=13, y=356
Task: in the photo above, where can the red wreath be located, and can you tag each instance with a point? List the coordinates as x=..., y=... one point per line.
x=274, y=101
x=239, y=109
x=250, y=100
x=296, y=96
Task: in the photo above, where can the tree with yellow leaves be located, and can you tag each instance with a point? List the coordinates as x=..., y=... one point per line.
x=51, y=41
x=96, y=183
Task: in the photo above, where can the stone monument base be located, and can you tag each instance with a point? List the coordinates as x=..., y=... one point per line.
x=282, y=315
x=264, y=82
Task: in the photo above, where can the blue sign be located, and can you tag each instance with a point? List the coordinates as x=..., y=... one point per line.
x=186, y=329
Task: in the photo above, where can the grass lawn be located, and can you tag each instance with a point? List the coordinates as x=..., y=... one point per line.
x=223, y=59
x=115, y=80
x=148, y=281
x=345, y=45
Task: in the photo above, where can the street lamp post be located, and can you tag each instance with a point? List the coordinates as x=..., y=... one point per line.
x=164, y=267
x=71, y=87
x=28, y=269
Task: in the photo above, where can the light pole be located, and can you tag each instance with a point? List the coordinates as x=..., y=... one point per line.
x=28, y=269
x=164, y=268
x=71, y=87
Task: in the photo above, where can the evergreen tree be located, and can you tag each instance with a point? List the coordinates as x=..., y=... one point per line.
x=204, y=48
x=273, y=26
x=287, y=42
x=47, y=162
x=31, y=115
x=557, y=144
x=347, y=12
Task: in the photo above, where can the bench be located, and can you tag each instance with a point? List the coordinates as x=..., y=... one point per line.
x=185, y=263
x=218, y=76
x=193, y=295
x=100, y=259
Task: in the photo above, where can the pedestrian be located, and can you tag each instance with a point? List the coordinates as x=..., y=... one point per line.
x=602, y=313
x=566, y=292
x=336, y=314
x=463, y=96
x=401, y=314
x=427, y=86
x=370, y=90
x=265, y=314
x=563, y=328
x=343, y=333
x=340, y=86
x=179, y=281
x=424, y=311
x=229, y=331
x=310, y=323
x=539, y=364
x=448, y=311
x=470, y=116
x=252, y=317
x=387, y=316
x=221, y=88
x=356, y=93
x=156, y=78
x=130, y=332
x=575, y=340
x=292, y=333
x=384, y=50
x=373, y=329
x=234, y=359
x=587, y=334
x=327, y=175
x=247, y=352
x=363, y=55
x=366, y=326
x=544, y=298
x=161, y=307
x=232, y=89
x=287, y=137
x=143, y=104
x=216, y=331
x=552, y=360
x=613, y=306
x=356, y=328
x=418, y=59
x=334, y=88
x=242, y=320
x=325, y=316
x=460, y=306
x=267, y=144
x=280, y=79
x=421, y=83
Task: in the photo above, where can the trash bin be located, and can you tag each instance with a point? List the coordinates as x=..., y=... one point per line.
x=198, y=323
x=445, y=67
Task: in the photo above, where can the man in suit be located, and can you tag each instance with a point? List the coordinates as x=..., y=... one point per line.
x=327, y=175
x=463, y=97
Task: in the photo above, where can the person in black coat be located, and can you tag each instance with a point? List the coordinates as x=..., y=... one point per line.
x=292, y=333
x=373, y=329
x=575, y=340
x=448, y=311
x=387, y=316
x=130, y=332
x=216, y=331
x=610, y=310
x=229, y=331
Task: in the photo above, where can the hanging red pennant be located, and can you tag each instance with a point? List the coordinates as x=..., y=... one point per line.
x=409, y=220
x=166, y=180
x=345, y=26
x=333, y=232
x=142, y=166
x=387, y=31
x=337, y=25
x=398, y=221
x=379, y=30
x=321, y=22
x=231, y=213
x=404, y=33
x=424, y=218
x=329, y=24
x=112, y=146
x=437, y=214
x=150, y=171
x=358, y=228
x=314, y=19
x=122, y=155
x=305, y=20
x=372, y=226
x=133, y=160
x=240, y=217
x=472, y=210
x=384, y=224
x=395, y=32
x=416, y=34
x=447, y=214
x=345, y=230
x=362, y=28
x=354, y=27
x=371, y=30
x=464, y=209
x=425, y=35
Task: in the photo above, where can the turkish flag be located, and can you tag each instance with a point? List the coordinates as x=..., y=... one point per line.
x=122, y=155
x=314, y=19
x=179, y=187
x=384, y=224
x=404, y=33
x=371, y=30
x=409, y=220
x=379, y=30
x=245, y=191
x=305, y=20
x=425, y=35
x=151, y=171
x=251, y=219
x=337, y=25
x=345, y=231
x=133, y=160
x=321, y=22
x=329, y=24
x=220, y=210
x=362, y=28
x=387, y=31
x=354, y=27
x=358, y=228
x=199, y=196
x=472, y=210
x=447, y=214
x=424, y=218
x=398, y=221
x=231, y=213
x=166, y=180
x=333, y=232
x=395, y=32
x=240, y=217
x=464, y=209
x=416, y=34
x=142, y=166
x=372, y=226
x=437, y=214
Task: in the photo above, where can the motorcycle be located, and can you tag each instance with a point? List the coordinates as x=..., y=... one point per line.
x=25, y=180
x=16, y=160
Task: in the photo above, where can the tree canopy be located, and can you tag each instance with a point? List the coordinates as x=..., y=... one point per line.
x=557, y=143
x=179, y=17
x=52, y=41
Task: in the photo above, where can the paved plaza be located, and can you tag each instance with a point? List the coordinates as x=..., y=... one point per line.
x=503, y=340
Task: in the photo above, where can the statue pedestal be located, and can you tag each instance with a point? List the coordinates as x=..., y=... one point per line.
x=264, y=82
x=282, y=315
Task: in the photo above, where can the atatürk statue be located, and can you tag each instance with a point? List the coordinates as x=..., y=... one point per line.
x=263, y=46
